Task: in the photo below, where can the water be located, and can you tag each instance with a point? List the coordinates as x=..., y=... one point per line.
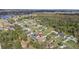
x=6, y=16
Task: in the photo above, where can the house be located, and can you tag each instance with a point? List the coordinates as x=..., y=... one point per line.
x=67, y=38
x=61, y=34
x=40, y=39
x=38, y=26
x=40, y=34
x=32, y=35
x=55, y=32
x=64, y=47
x=8, y=28
x=26, y=29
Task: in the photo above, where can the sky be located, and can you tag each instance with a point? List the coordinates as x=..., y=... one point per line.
x=39, y=4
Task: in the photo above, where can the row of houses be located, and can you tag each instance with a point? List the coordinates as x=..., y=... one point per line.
x=65, y=37
x=34, y=35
